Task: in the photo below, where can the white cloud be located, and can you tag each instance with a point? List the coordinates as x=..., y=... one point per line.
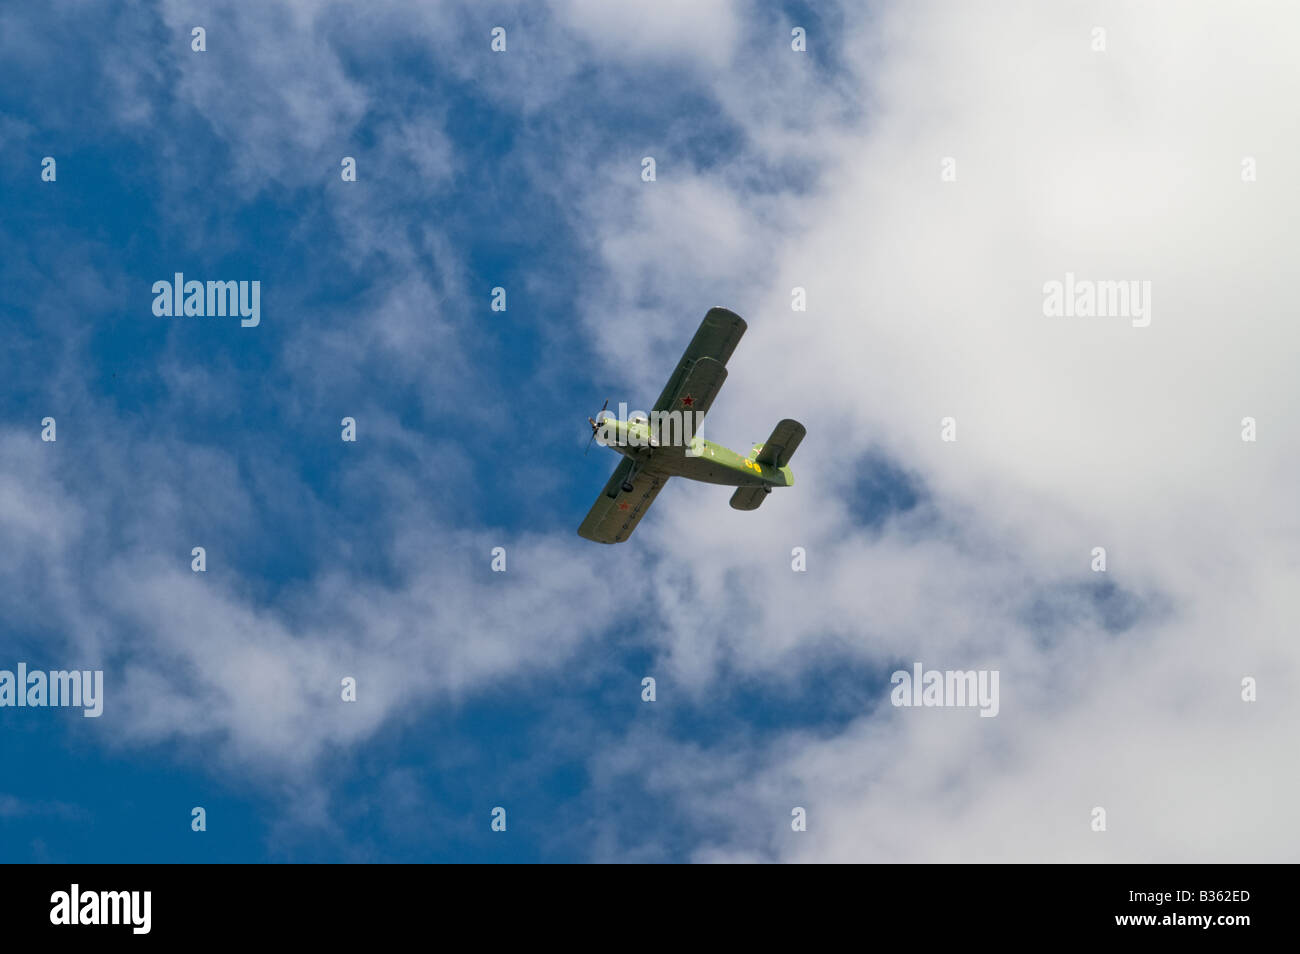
x=206, y=660
x=926, y=301
x=673, y=31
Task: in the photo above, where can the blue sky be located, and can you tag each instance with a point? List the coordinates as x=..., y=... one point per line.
x=522, y=689
x=252, y=458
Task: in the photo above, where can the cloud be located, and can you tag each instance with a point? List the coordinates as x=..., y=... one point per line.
x=775, y=169
x=212, y=661
x=925, y=301
x=677, y=31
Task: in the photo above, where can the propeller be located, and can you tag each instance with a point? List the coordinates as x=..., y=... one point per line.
x=594, y=426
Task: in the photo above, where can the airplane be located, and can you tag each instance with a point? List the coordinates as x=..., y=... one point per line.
x=661, y=447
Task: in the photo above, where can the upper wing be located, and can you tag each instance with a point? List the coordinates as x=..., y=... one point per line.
x=696, y=392
x=615, y=514
x=716, y=338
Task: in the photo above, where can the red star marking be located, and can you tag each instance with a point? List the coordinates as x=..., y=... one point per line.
x=688, y=401
x=622, y=506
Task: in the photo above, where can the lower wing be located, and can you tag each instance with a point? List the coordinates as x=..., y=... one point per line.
x=616, y=512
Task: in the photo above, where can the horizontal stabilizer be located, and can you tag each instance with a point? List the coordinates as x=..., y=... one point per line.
x=780, y=447
x=748, y=498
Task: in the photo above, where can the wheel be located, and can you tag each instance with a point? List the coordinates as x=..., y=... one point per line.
x=767, y=490
x=627, y=487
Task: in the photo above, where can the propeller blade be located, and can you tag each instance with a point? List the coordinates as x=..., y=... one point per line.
x=594, y=426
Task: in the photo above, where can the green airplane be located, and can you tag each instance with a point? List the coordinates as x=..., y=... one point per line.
x=667, y=443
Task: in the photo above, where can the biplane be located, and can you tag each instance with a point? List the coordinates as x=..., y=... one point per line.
x=667, y=443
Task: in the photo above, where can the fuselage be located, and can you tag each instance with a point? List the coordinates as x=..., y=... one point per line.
x=674, y=454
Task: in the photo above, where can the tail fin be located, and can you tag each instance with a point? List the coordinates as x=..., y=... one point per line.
x=780, y=447
x=775, y=452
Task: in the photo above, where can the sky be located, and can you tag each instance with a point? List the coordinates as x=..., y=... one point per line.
x=920, y=172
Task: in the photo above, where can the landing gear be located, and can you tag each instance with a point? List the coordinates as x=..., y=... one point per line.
x=628, y=486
